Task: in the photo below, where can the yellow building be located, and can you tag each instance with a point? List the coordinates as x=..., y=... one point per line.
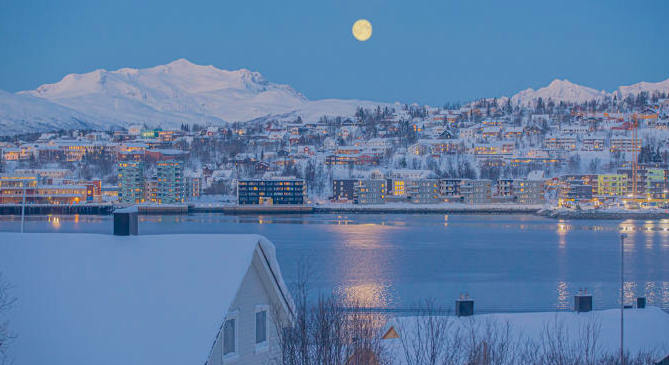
x=61, y=194
x=399, y=188
x=11, y=154
x=14, y=188
x=612, y=185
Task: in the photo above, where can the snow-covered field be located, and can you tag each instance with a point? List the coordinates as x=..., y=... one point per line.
x=645, y=330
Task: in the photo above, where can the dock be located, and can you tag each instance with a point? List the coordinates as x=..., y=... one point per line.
x=44, y=209
x=267, y=209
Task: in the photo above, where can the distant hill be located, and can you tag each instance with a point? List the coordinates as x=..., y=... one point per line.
x=564, y=90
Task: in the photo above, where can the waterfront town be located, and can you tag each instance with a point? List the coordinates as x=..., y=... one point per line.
x=608, y=153
x=334, y=182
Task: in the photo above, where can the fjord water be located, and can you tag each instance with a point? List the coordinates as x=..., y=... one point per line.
x=395, y=261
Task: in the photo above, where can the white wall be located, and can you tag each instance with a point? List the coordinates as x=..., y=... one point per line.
x=257, y=289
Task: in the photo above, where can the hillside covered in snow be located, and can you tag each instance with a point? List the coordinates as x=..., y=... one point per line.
x=26, y=113
x=167, y=96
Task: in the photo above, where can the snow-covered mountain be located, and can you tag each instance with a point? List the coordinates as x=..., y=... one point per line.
x=25, y=113
x=558, y=90
x=564, y=90
x=183, y=92
x=650, y=87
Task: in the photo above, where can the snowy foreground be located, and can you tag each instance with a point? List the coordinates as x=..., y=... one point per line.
x=103, y=299
x=645, y=331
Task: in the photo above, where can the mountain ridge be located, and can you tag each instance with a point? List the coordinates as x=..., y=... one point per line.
x=567, y=91
x=181, y=92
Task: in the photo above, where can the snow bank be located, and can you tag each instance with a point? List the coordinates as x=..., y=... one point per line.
x=645, y=329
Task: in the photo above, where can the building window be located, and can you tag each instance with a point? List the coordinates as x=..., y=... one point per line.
x=230, y=337
x=261, y=327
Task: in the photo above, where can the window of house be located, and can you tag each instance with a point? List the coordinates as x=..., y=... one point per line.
x=262, y=327
x=230, y=336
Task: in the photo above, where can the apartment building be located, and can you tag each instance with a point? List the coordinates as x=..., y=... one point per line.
x=131, y=182
x=282, y=191
x=170, y=182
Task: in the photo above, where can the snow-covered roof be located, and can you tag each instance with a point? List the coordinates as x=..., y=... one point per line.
x=104, y=299
x=644, y=330
x=535, y=175
x=514, y=130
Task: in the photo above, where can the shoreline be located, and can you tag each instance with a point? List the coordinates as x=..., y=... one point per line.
x=603, y=214
x=490, y=209
x=427, y=209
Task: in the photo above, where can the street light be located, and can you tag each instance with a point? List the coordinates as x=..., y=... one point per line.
x=23, y=205
x=622, y=294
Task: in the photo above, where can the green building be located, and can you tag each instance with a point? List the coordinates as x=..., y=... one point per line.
x=170, y=182
x=131, y=182
x=612, y=185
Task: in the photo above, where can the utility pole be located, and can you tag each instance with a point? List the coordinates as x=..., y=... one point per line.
x=622, y=295
x=23, y=206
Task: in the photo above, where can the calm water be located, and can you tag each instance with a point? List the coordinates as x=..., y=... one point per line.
x=506, y=263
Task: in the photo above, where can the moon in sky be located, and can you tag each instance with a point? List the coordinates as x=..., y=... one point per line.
x=362, y=30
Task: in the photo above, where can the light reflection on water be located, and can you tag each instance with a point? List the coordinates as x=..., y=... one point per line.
x=562, y=296
x=562, y=229
x=370, y=295
x=395, y=260
x=629, y=290
x=361, y=285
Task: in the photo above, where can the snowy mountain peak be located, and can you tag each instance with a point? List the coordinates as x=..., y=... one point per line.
x=182, y=92
x=181, y=66
x=173, y=78
x=181, y=62
x=565, y=90
x=650, y=87
x=72, y=85
x=561, y=83
x=558, y=90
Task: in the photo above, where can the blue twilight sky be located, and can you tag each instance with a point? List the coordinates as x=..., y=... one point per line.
x=421, y=51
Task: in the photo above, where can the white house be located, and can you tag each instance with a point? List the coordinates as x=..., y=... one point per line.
x=170, y=299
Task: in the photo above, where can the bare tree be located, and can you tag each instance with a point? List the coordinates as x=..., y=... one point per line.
x=428, y=337
x=488, y=342
x=431, y=338
x=329, y=331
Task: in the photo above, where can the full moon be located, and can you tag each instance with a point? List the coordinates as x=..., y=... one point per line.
x=362, y=30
